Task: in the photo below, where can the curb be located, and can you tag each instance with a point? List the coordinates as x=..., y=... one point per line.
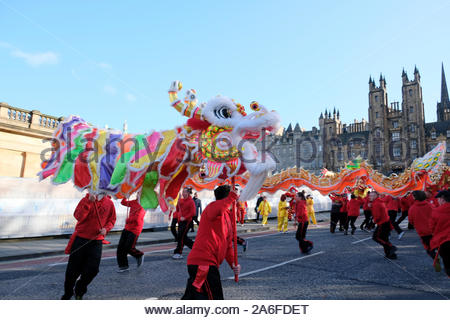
x=111, y=246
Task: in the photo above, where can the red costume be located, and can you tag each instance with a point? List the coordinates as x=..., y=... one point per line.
x=135, y=221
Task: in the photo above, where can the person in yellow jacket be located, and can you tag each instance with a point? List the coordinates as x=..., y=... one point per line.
x=283, y=213
x=265, y=209
x=310, y=209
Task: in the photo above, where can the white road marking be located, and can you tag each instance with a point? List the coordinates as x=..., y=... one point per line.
x=108, y=258
x=276, y=265
x=362, y=240
x=267, y=235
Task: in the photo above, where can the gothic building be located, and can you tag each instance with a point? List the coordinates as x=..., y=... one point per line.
x=394, y=135
x=296, y=148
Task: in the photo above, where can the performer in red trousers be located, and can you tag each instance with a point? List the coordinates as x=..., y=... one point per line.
x=383, y=229
x=130, y=234
x=301, y=214
x=242, y=210
x=95, y=217
x=213, y=244
x=420, y=217
x=186, y=211
x=353, y=212
x=440, y=227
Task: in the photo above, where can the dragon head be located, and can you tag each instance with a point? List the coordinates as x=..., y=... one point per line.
x=228, y=135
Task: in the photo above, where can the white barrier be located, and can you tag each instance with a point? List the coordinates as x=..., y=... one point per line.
x=29, y=208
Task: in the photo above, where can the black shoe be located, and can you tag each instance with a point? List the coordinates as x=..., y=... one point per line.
x=140, y=261
x=392, y=256
x=66, y=297
x=353, y=230
x=78, y=297
x=345, y=233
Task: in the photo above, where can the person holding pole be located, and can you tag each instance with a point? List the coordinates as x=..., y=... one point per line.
x=213, y=244
x=95, y=217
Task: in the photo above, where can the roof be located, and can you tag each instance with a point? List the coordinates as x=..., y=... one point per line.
x=346, y=137
x=441, y=127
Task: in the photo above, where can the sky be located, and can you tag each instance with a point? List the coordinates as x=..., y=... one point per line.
x=111, y=61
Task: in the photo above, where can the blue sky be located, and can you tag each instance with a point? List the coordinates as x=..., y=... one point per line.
x=110, y=61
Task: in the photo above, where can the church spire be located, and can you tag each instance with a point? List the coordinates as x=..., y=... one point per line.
x=444, y=91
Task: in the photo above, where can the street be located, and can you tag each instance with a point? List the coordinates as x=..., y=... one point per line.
x=339, y=267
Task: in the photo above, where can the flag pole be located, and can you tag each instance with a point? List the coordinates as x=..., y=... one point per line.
x=236, y=277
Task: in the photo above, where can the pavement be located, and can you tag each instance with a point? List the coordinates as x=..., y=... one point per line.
x=18, y=249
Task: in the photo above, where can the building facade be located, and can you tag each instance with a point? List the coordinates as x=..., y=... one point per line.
x=24, y=140
x=394, y=135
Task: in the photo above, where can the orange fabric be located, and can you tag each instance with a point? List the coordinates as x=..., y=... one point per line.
x=417, y=181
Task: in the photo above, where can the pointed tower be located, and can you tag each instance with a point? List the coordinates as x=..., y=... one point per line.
x=443, y=107
x=413, y=116
x=379, y=133
x=125, y=127
x=404, y=77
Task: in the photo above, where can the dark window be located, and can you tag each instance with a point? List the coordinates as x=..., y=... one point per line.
x=395, y=136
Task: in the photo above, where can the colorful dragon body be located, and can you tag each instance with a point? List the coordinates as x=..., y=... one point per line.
x=214, y=145
x=427, y=172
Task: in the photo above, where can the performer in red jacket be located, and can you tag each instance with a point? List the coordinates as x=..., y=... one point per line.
x=95, y=217
x=420, y=217
x=405, y=203
x=440, y=227
x=393, y=206
x=353, y=207
x=130, y=234
x=213, y=244
x=383, y=229
x=343, y=215
x=301, y=214
x=186, y=211
x=242, y=210
x=366, y=225
x=336, y=205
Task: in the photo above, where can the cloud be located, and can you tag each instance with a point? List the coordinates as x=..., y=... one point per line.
x=104, y=65
x=36, y=59
x=130, y=97
x=109, y=89
x=5, y=45
x=33, y=59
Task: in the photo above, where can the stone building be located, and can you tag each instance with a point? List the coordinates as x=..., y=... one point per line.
x=24, y=138
x=394, y=135
x=438, y=131
x=296, y=148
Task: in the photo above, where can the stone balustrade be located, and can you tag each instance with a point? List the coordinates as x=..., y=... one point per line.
x=28, y=119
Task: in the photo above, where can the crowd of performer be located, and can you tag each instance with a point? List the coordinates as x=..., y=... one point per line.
x=427, y=213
